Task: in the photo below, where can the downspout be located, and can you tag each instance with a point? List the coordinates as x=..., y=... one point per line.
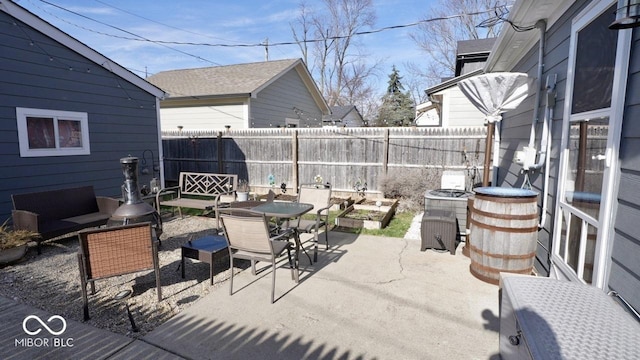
x=545, y=141
x=542, y=25
x=545, y=147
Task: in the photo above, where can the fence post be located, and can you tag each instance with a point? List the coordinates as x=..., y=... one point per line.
x=385, y=155
x=294, y=159
x=219, y=143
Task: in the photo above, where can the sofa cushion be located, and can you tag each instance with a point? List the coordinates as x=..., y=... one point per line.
x=96, y=218
x=58, y=204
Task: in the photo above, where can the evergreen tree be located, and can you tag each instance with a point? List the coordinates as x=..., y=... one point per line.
x=398, y=108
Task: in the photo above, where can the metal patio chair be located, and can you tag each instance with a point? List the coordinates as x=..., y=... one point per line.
x=249, y=237
x=319, y=195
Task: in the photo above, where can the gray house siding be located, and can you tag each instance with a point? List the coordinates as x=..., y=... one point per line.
x=624, y=275
x=38, y=72
x=516, y=126
x=624, y=270
x=278, y=100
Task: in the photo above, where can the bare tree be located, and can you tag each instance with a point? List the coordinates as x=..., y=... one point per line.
x=301, y=36
x=337, y=63
x=439, y=38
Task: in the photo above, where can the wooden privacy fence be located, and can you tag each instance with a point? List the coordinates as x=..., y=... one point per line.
x=341, y=156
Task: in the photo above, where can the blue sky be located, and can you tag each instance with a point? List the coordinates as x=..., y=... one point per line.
x=216, y=22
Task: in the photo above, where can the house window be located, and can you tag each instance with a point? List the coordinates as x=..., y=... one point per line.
x=52, y=132
x=598, y=65
x=291, y=123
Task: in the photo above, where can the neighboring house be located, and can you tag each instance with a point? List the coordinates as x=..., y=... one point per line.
x=590, y=191
x=471, y=55
x=345, y=116
x=67, y=113
x=447, y=105
x=278, y=93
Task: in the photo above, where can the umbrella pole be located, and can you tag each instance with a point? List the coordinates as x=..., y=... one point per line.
x=487, y=153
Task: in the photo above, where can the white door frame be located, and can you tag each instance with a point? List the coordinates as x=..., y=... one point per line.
x=604, y=224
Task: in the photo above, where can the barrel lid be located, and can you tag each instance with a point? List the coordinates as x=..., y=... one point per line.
x=505, y=192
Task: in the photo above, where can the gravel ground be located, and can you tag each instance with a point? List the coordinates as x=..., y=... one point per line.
x=51, y=281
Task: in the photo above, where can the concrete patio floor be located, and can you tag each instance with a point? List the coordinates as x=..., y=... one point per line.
x=367, y=297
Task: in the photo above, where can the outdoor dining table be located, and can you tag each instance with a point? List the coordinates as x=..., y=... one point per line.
x=285, y=210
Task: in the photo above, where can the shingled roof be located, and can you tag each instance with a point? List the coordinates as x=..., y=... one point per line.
x=239, y=79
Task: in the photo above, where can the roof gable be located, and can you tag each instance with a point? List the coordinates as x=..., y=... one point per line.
x=234, y=80
x=238, y=79
x=339, y=112
x=25, y=16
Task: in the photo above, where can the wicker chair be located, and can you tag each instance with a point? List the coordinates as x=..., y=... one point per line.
x=320, y=196
x=115, y=251
x=249, y=237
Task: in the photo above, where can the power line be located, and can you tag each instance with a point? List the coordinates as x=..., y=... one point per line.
x=160, y=23
x=137, y=37
x=261, y=44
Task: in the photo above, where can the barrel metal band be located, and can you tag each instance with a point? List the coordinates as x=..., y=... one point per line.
x=496, y=270
x=509, y=200
x=501, y=256
x=505, y=216
x=502, y=228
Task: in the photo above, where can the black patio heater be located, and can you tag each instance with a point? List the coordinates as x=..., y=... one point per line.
x=134, y=209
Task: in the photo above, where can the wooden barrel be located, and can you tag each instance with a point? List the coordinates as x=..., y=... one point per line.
x=504, y=228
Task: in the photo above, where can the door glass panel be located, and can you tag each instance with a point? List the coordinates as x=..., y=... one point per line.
x=573, y=239
x=589, y=256
x=561, y=251
x=587, y=149
x=595, y=64
x=580, y=254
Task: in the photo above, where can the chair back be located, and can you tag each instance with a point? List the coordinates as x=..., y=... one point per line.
x=317, y=195
x=246, y=230
x=117, y=250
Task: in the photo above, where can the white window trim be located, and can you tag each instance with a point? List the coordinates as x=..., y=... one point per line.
x=23, y=137
x=604, y=241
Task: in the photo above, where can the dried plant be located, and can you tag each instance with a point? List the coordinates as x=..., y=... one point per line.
x=409, y=186
x=13, y=238
x=243, y=185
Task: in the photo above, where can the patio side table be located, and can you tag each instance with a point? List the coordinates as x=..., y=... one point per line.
x=204, y=249
x=438, y=230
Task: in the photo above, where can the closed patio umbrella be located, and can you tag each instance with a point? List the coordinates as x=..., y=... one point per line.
x=493, y=94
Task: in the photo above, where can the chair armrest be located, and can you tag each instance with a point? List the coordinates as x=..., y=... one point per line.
x=323, y=209
x=170, y=188
x=166, y=190
x=25, y=220
x=107, y=205
x=230, y=192
x=284, y=235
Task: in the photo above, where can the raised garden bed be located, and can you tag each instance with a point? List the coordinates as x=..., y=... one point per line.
x=366, y=214
x=337, y=203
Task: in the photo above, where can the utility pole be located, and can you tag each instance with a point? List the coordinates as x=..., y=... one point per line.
x=266, y=49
